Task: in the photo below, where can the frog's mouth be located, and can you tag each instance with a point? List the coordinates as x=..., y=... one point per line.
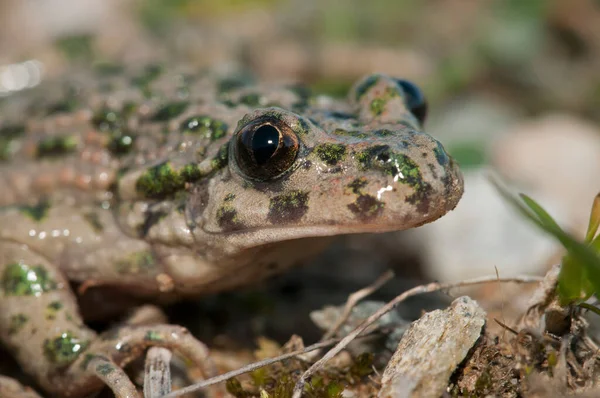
x=260, y=236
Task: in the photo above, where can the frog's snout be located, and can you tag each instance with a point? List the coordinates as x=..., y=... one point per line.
x=415, y=181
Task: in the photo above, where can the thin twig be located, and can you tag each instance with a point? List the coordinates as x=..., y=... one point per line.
x=248, y=368
x=505, y=326
x=432, y=287
x=354, y=298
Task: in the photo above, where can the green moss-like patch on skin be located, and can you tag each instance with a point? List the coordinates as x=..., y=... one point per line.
x=351, y=133
x=56, y=146
x=69, y=104
x=52, y=309
x=163, y=181
x=136, y=263
x=153, y=336
x=105, y=369
x=169, y=111
x=331, y=153
x=159, y=181
x=190, y=172
x=220, y=160
x=205, y=126
x=17, y=322
x=36, y=213
x=231, y=83
x=365, y=158
x=107, y=119
x=121, y=143
x=252, y=99
x=94, y=221
x=402, y=168
x=64, y=349
x=365, y=85
x=289, y=207
x=23, y=280
x=303, y=127
x=227, y=217
x=378, y=104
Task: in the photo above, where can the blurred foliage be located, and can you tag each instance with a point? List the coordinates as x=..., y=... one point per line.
x=158, y=16
x=579, y=277
x=76, y=47
x=468, y=154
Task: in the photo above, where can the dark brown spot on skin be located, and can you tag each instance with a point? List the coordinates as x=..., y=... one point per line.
x=228, y=219
x=288, y=207
x=366, y=207
x=357, y=185
x=421, y=200
x=432, y=169
x=152, y=218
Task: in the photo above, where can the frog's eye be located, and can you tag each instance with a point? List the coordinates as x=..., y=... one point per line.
x=265, y=148
x=415, y=100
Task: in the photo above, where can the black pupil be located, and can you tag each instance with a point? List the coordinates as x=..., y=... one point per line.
x=264, y=143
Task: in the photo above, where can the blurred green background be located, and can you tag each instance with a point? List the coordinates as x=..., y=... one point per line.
x=530, y=56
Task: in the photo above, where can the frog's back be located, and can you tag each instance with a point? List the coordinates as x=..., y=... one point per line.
x=75, y=136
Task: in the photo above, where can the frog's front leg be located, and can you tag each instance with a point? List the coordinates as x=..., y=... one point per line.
x=41, y=325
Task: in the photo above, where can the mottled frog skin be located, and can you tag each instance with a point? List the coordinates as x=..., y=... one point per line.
x=168, y=184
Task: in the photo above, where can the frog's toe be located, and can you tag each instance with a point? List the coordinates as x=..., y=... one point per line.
x=113, y=376
x=112, y=351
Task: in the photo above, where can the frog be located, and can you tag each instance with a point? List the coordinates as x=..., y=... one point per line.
x=165, y=184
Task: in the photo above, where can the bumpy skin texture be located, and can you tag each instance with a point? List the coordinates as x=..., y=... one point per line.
x=136, y=183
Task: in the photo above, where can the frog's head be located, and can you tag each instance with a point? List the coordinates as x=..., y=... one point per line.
x=370, y=168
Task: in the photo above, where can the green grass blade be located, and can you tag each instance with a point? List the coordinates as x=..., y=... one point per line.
x=581, y=254
x=571, y=281
x=594, y=220
x=542, y=214
x=591, y=308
